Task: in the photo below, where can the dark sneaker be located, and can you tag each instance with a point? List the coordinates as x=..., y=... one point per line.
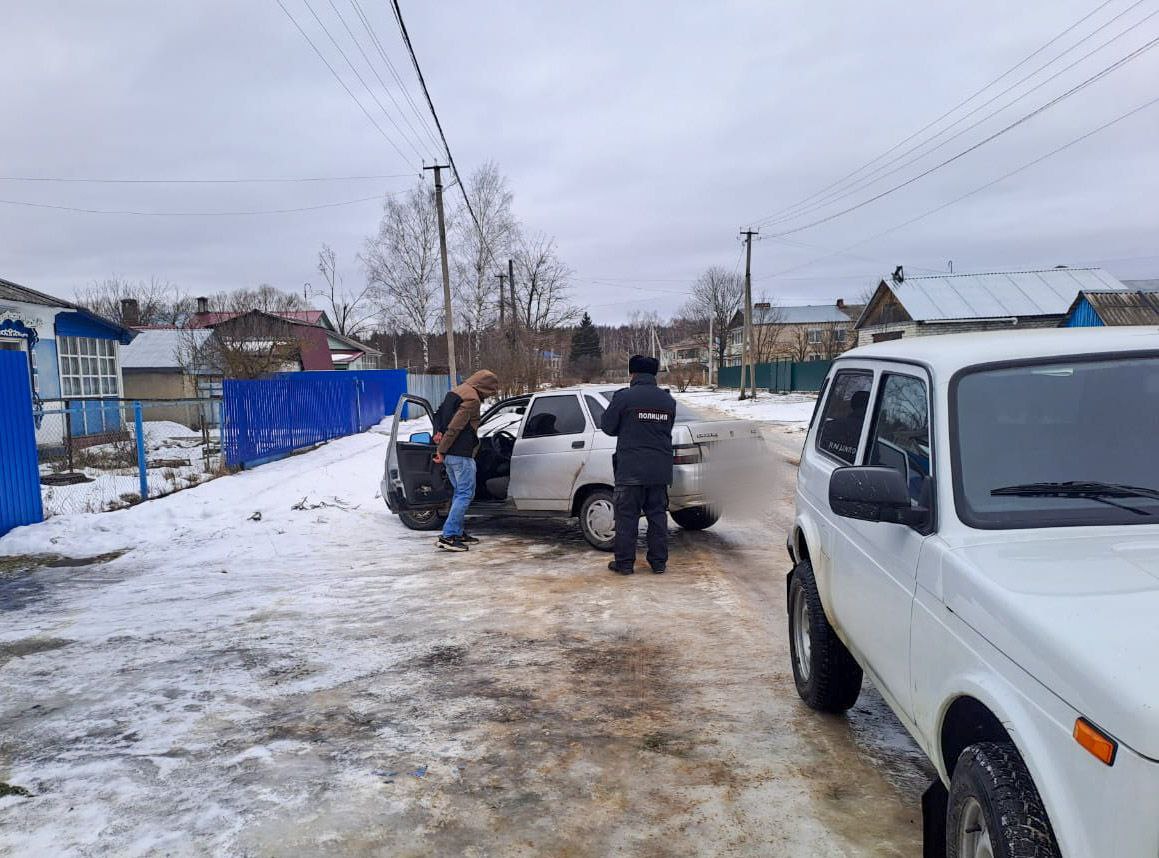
x=619, y=570
x=659, y=570
x=452, y=543
x=469, y=539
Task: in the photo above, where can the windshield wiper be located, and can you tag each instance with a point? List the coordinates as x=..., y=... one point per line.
x=1081, y=489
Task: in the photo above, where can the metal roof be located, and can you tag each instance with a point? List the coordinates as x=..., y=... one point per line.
x=161, y=349
x=802, y=315
x=1125, y=308
x=1000, y=294
x=950, y=352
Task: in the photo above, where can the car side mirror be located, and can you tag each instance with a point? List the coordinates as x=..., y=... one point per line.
x=871, y=493
x=421, y=438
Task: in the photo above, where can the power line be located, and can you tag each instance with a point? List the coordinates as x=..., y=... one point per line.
x=978, y=189
x=877, y=175
x=362, y=80
x=341, y=82
x=949, y=112
x=246, y=181
x=370, y=31
x=435, y=115
x=188, y=214
x=1092, y=79
x=416, y=137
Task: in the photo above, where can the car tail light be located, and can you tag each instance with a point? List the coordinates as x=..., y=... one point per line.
x=686, y=454
x=1095, y=741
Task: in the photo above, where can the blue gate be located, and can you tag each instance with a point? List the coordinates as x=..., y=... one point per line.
x=19, y=472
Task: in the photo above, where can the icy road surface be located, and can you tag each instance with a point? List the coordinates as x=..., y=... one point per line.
x=319, y=681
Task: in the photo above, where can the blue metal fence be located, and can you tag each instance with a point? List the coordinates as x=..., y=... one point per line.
x=269, y=418
x=19, y=473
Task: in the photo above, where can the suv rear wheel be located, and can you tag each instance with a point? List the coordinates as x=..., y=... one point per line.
x=827, y=676
x=994, y=809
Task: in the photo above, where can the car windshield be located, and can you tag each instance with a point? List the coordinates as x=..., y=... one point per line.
x=1057, y=444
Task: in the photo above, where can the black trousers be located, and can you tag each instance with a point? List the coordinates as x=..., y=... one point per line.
x=630, y=502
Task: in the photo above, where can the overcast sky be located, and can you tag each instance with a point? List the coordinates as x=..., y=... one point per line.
x=641, y=135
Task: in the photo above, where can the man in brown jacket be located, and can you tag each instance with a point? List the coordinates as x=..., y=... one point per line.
x=456, y=431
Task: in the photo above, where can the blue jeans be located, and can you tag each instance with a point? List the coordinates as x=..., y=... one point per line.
x=461, y=470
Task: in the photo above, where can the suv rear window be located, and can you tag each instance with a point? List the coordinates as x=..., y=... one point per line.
x=844, y=414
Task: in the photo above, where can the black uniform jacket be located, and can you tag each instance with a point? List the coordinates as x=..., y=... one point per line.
x=641, y=418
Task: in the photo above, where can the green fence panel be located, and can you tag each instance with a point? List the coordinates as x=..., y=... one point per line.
x=729, y=376
x=782, y=375
x=809, y=375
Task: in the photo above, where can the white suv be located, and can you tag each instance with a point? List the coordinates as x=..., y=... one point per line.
x=977, y=528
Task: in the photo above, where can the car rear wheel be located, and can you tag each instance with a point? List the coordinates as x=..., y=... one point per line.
x=598, y=519
x=696, y=517
x=994, y=809
x=826, y=675
x=422, y=519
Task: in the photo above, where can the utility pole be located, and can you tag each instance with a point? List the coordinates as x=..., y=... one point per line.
x=502, y=300
x=448, y=310
x=711, y=348
x=511, y=286
x=749, y=365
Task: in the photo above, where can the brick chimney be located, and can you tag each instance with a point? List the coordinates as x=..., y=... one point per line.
x=203, y=305
x=840, y=303
x=130, y=312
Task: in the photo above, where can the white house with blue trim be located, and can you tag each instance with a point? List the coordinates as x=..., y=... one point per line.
x=73, y=355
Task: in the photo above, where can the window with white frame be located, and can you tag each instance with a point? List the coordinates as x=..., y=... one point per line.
x=88, y=366
x=839, y=335
x=814, y=335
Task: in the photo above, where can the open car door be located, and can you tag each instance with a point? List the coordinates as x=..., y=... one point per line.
x=411, y=480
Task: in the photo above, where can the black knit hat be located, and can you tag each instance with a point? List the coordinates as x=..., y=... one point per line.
x=643, y=364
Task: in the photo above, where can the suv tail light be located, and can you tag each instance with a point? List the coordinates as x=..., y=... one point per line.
x=687, y=454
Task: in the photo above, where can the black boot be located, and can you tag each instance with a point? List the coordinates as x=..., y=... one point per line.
x=620, y=570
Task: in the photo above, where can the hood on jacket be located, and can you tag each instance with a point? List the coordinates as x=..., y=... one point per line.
x=484, y=381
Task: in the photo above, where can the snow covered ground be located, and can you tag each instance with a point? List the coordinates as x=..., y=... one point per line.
x=270, y=664
x=792, y=408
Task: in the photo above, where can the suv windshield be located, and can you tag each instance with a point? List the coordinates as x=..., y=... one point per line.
x=1057, y=444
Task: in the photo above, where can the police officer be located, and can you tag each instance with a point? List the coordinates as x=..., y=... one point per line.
x=641, y=417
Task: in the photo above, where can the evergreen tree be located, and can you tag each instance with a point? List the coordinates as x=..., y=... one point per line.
x=586, y=355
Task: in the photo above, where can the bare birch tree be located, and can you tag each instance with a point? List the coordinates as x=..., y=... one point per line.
x=159, y=302
x=716, y=296
x=402, y=265
x=350, y=310
x=475, y=252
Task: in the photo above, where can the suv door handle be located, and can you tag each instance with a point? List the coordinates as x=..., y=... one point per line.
x=577, y=445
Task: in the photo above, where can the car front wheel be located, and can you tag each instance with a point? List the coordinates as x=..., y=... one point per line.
x=597, y=517
x=994, y=809
x=424, y=519
x=827, y=676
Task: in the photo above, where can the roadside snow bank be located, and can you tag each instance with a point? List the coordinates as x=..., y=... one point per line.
x=206, y=511
x=772, y=407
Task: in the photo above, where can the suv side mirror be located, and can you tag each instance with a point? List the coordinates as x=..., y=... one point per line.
x=872, y=493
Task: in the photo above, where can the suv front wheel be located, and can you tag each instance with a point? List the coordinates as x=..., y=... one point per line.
x=827, y=676
x=994, y=809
